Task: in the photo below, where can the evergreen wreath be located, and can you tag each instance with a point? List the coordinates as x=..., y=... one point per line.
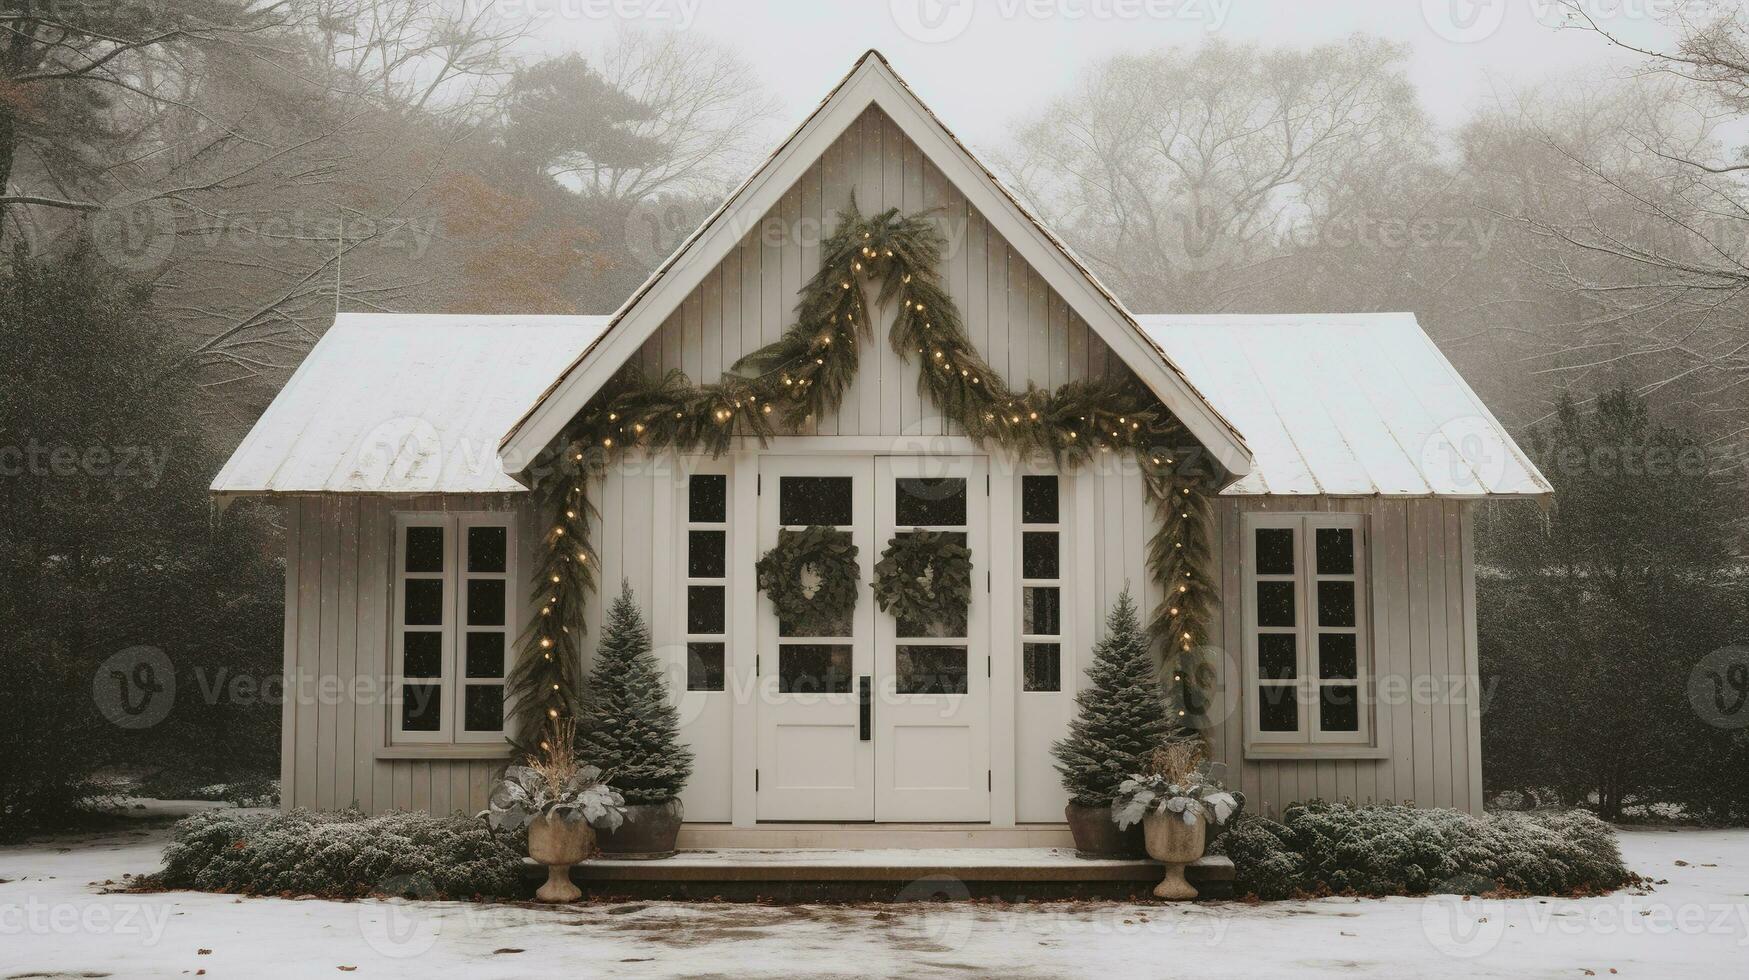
x=925, y=578
x=832, y=555
x=803, y=376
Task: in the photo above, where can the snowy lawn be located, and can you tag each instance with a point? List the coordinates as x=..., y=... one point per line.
x=56, y=919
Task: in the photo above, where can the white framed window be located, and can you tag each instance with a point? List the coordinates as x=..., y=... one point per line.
x=1307, y=645
x=454, y=627
x=706, y=614
x=1042, y=557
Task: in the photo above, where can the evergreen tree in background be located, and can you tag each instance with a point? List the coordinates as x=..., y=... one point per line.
x=1121, y=719
x=633, y=733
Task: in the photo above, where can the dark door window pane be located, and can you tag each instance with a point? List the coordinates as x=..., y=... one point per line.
x=1275, y=604
x=487, y=549
x=929, y=502
x=1339, y=708
x=424, y=548
x=1038, y=554
x=486, y=602
x=1335, y=551
x=707, y=499
x=421, y=654
x=424, y=602
x=704, y=666
x=1277, y=709
x=485, y=655
x=421, y=707
x=483, y=708
x=1275, y=551
x=1337, y=656
x=707, y=554
x=1335, y=603
x=805, y=500
x=1041, y=667
x=1277, y=656
x=930, y=670
x=704, y=609
x=813, y=669
x=1041, y=611
x=1038, y=500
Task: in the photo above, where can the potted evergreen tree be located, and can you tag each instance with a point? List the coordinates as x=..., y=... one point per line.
x=1119, y=722
x=633, y=734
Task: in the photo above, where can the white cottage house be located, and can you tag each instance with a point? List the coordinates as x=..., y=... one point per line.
x=1344, y=648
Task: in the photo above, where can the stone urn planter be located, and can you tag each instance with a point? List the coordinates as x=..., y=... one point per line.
x=558, y=844
x=1097, y=836
x=649, y=831
x=1175, y=844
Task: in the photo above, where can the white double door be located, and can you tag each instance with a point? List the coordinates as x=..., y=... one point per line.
x=879, y=720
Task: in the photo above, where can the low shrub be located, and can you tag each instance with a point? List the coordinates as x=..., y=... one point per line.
x=1398, y=850
x=340, y=855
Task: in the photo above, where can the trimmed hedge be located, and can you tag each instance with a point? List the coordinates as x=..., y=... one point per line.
x=340, y=855
x=1322, y=847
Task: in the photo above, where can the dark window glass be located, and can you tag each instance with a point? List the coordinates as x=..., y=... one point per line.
x=805, y=500
x=421, y=707
x=930, y=670
x=1275, y=551
x=424, y=602
x=1038, y=554
x=704, y=666
x=843, y=627
x=421, y=654
x=1038, y=500
x=1277, y=709
x=1277, y=656
x=929, y=502
x=1339, y=708
x=1041, y=610
x=707, y=499
x=704, y=609
x=1041, y=666
x=1275, y=603
x=485, y=655
x=1335, y=551
x=424, y=548
x=483, y=708
x=487, y=547
x=1335, y=603
x=486, y=601
x=813, y=668
x=1337, y=656
x=707, y=554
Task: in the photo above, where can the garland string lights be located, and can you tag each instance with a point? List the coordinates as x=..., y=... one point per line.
x=803, y=376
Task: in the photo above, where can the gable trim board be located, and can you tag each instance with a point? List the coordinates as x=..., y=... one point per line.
x=870, y=81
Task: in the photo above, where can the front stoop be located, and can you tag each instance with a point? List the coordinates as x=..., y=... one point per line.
x=886, y=875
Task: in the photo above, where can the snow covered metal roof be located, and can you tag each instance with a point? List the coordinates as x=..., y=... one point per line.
x=399, y=403
x=1346, y=405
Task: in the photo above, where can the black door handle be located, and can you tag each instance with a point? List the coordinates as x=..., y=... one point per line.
x=865, y=706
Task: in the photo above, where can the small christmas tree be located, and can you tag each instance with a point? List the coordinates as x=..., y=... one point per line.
x=632, y=733
x=1120, y=720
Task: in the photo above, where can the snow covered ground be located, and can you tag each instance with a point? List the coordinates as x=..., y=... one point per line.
x=56, y=919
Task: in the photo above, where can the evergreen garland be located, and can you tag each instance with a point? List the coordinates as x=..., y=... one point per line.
x=630, y=730
x=1120, y=719
x=803, y=376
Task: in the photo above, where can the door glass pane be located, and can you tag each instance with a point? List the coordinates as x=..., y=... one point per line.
x=704, y=666
x=421, y=654
x=1038, y=554
x=424, y=602
x=813, y=668
x=421, y=707
x=704, y=609
x=954, y=627
x=1277, y=656
x=1038, y=500
x=487, y=548
x=1275, y=603
x=483, y=708
x=1277, y=709
x=1041, y=667
x=486, y=602
x=1275, y=551
x=1339, y=708
x=930, y=670
x=929, y=502
x=1335, y=551
x=424, y=549
x=805, y=500
x=1041, y=610
x=707, y=554
x=1335, y=603
x=707, y=499
x=1336, y=656
x=485, y=655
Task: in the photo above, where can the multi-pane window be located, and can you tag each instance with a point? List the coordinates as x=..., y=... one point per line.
x=819, y=662
x=453, y=627
x=707, y=571
x=1306, y=646
x=931, y=658
x=1041, y=584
